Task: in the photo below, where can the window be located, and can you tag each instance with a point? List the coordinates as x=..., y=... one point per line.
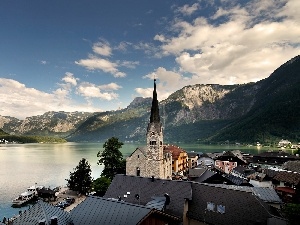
x=221, y=209
x=138, y=171
x=210, y=206
x=152, y=142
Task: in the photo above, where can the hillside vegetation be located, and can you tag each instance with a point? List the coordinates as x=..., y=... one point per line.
x=264, y=111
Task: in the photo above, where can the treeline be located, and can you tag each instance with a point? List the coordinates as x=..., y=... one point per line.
x=31, y=139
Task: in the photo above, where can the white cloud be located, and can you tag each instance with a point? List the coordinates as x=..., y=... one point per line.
x=248, y=45
x=69, y=78
x=94, y=63
x=102, y=48
x=19, y=101
x=188, y=10
x=168, y=82
x=90, y=90
x=109, y=87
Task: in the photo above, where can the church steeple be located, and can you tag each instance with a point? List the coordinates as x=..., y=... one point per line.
x=154, y=117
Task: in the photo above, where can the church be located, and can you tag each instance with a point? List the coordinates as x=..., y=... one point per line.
x=150, y=160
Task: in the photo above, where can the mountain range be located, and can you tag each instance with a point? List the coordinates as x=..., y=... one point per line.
x=264, y=111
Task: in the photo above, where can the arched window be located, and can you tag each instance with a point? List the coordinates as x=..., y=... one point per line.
x=138, y=171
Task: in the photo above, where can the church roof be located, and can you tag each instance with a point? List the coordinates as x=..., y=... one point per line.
x=154, y=117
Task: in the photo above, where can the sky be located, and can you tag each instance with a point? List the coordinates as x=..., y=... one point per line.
x=93, y=55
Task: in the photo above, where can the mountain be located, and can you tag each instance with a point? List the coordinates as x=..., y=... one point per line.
x=264, y=111
x=49, y=124
x=275, y=112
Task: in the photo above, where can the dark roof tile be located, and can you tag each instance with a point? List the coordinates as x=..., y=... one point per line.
x=142, y=190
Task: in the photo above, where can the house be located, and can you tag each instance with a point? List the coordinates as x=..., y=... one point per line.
x=217, y=205
x=192, y=159
x=195, y=203
x=287, y=185
x=283, y=143
x=229, y=160
x=179, y=159
x=43, y=213
x=142, y=190
x=95, y=210
x=205, y=160
x=151, y=160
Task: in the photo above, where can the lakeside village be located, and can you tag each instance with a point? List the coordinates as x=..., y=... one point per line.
x=164, y=184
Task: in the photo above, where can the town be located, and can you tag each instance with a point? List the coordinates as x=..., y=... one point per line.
x=164, y=184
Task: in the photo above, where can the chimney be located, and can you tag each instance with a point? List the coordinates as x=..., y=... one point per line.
x=53, y=220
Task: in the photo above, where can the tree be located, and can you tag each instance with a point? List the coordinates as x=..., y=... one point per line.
x=111, y=158
x=81, y=179
x=100, y=185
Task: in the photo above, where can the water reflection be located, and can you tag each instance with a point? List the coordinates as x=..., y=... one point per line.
x=22, y=165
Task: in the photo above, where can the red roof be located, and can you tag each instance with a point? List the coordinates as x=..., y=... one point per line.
x=286, y=189
x=175, y=150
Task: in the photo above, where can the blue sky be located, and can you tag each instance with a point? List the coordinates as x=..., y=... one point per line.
x=71, y=55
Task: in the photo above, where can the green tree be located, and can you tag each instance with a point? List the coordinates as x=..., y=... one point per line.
x=81, y=179
x=100, y=185
x=111, y=158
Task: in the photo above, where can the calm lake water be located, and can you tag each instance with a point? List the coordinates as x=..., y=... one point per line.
x=23, y=165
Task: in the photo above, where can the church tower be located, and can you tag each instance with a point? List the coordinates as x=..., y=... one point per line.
x=155, y=131
x=151, y=161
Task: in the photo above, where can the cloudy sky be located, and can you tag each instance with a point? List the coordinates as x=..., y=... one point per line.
x=91, y=55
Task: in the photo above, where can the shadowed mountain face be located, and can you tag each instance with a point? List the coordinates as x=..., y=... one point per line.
x=264, y=111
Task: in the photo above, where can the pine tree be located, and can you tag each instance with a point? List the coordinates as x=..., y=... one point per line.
x=81, y=179
x=111, y=158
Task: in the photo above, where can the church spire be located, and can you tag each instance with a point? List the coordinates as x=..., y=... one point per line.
x=154, y=108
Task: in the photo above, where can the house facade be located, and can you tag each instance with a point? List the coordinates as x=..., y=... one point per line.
x=179, y=159
x=150, y=160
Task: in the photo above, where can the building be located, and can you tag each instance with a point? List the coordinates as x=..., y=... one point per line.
x=96, y=210
x=179, y=159
x=192, y=159
x=230, y=160
x=273, y=158
x=195, y=203
x=150, y=160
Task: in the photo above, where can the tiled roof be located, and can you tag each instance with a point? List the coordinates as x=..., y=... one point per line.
x=236, y=154
x=289, y=177
x=235, y=207
x=207, y=174
x=234, y=179
x=264, y=193
x=192, y=154
x=175, y=150
x=270, y=173
x=197, y=172
x=292, y=166
x=96, y=210
x=141, y=190
x=40, y=211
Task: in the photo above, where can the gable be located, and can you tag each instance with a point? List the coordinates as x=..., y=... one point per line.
x=40, y=211
x=139, y=151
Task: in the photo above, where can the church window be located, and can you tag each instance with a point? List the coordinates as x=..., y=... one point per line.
x=138, y=156
x=138, y=171
x=152, y=142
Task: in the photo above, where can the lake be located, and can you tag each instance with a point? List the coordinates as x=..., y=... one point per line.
x=23, y=165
